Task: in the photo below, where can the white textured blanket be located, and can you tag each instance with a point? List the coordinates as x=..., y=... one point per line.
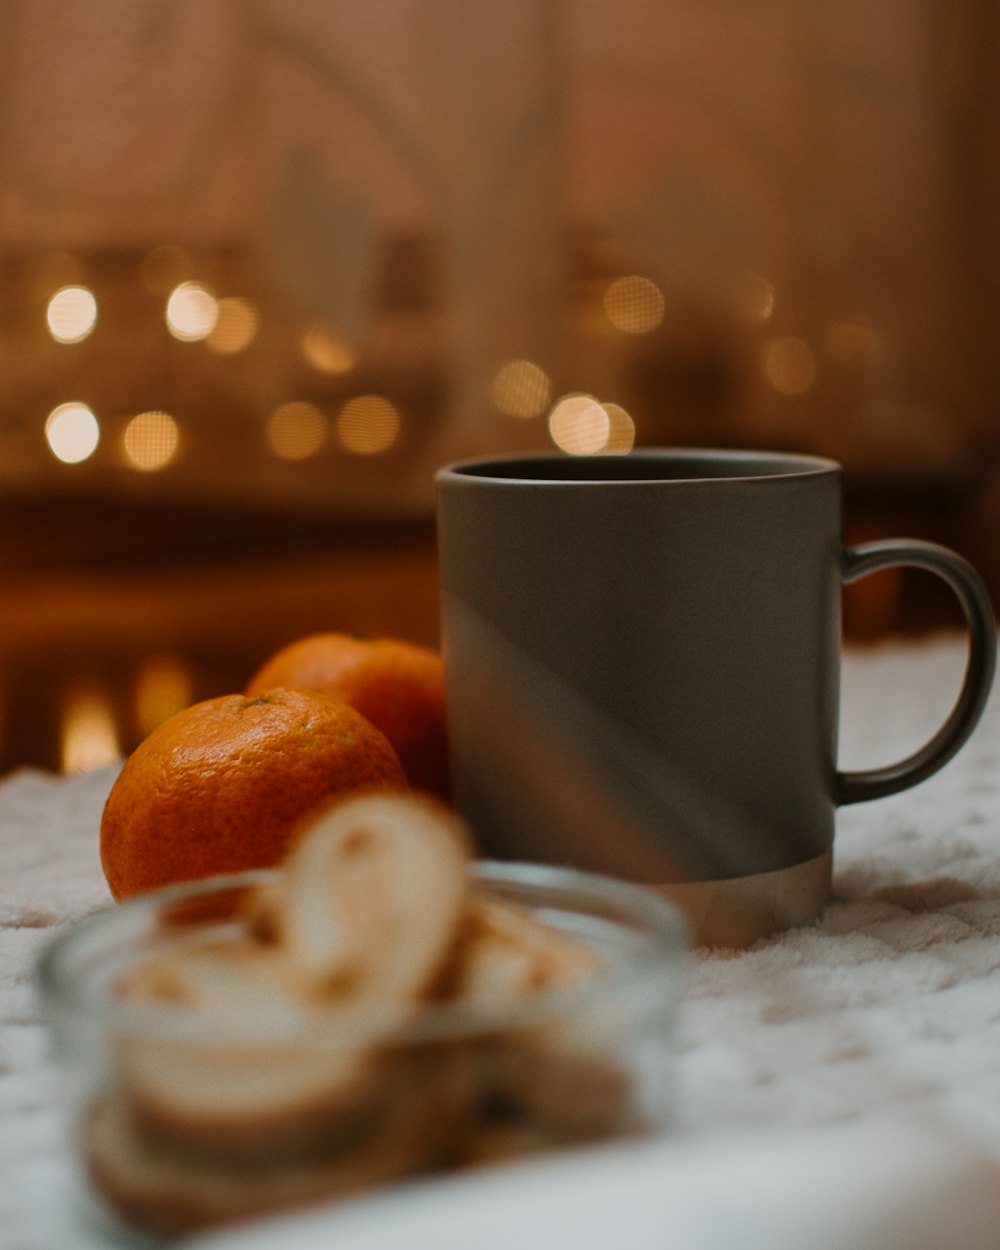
x=886, y=1013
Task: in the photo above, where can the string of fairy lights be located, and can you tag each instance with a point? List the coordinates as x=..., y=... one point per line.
x=371, y=424
x=365, y=425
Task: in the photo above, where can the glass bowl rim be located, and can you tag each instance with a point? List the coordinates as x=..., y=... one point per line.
x=663, y=939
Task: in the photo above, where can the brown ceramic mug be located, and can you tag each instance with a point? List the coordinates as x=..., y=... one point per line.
x=642, y=659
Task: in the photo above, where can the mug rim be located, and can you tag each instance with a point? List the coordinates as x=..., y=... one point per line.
x=760, y=465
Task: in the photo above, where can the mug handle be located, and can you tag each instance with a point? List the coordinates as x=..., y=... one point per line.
x=875, y=783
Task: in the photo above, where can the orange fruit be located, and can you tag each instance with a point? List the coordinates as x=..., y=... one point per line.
x=220, y=786
x=397, y=685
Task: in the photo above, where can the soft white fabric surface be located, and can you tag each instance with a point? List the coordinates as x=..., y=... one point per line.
x=838, y=1086
x=894, y=1185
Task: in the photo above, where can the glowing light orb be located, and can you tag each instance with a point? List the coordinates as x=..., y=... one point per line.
x=72, y=432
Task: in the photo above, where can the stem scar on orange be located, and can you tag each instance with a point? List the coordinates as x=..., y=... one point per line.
x=220, y=786
x=397, y=685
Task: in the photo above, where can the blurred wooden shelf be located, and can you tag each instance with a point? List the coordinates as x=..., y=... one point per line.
x=90, y=600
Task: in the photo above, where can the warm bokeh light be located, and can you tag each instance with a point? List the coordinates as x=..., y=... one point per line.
x=164, y=268
x=151, y=440
x=634, y=304
x=851, y=343
x=72, y=432
x=296, y=431
x=163, y=686
x=327, y=351
x=368, y=424
x=580, y=425
x=71, y=314
x=88, y=735
x=621, y=430
x=192, y=312
x=235, y=326
x=753, y=296
x=521, y=389
x=789, y=365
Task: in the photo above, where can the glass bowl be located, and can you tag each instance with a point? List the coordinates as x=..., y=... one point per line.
x=182, y=1121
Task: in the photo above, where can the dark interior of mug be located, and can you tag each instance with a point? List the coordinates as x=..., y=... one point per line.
x=646, y=466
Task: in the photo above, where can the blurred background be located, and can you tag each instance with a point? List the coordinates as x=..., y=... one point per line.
x=266, y=264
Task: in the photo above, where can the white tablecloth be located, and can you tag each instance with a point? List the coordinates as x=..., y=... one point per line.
x=837, y=1086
